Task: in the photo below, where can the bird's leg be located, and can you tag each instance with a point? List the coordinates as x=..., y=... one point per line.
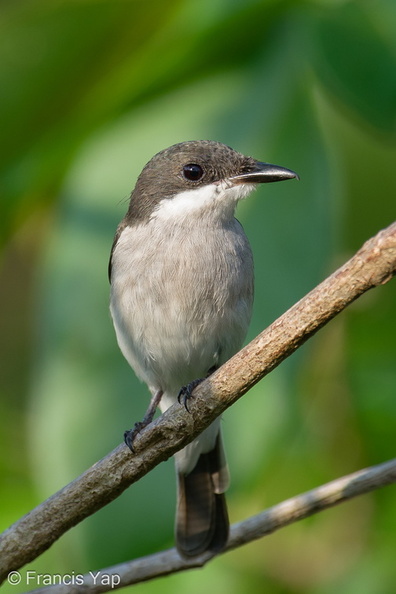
x=129, y=436
x=186, y=391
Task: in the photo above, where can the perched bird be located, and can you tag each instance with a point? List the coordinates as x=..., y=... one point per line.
x=181, y=273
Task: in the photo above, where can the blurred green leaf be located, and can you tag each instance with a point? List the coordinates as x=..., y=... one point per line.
x=356, y=62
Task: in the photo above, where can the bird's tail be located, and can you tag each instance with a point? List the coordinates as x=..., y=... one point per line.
x=201, y=516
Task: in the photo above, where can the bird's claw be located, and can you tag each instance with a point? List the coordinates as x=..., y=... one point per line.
x=130, y=435
x=186, y=392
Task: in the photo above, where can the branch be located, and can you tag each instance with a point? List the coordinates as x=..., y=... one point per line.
x=372, y=265
x=267, y=522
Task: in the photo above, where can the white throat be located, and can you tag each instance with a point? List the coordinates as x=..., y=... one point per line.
x=220, y=197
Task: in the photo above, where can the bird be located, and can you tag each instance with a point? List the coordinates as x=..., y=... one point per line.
x=182, y=281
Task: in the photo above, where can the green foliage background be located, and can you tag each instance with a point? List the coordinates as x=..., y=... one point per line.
x=90, y=90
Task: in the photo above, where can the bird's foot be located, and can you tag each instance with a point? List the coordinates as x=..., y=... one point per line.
x=130, y=434
x=186, y=392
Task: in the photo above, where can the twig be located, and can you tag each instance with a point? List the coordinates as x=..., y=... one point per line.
x=374, y=264
x=268, y=521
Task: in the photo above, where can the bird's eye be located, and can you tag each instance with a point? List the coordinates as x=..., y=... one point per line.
x=192, y=171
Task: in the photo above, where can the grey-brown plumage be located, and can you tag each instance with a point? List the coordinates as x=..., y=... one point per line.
x=181, y=273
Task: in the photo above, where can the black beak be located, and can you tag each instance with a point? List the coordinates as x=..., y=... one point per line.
x=263, y=173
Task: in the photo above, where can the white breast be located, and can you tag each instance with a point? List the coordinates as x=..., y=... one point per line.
x=180, y=299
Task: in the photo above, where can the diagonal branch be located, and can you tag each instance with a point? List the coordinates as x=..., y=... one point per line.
x=269, y=521
x=372, y=265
